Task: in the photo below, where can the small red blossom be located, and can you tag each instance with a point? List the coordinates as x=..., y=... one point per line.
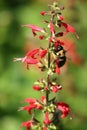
x=30, y=58
x=27, y=60
x=56, y=88
x=29, y=108
x=43, y=99
x=27, y=124
x=58, y=42
x=42, y=53
x=46, y=88
x=39, y=106
x=51, y=39
x=64, y=108
x=34, y=28
x=44, y=128
x=31, y=61
x=30, y=100
x=59, y=34
x=52, y=30
x=68, y=27
x=43, y=13
x=57, y=69
x=32, y=53
x=33, y=104
x=61, y=17
x=38, y=88
x=47, y=120
x=41, y=37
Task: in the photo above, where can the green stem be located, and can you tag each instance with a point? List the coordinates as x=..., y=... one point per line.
x=48, y=77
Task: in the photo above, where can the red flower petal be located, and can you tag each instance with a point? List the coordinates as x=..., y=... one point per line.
x=37, y=88
x=61, y=17
x=57, y=43
x=30, y=108
x=41, y=37
x=42, y=53
x=32, y=52
x=43, y=99
x=47, y=120
x=27, y=60
x=57, y=70
x=52, y=30
x=44, y=128
x=64, y=108
x=56, y=88
x=31, y=61
x=27, y=124
x=33, y=27
x=60, y=34
x=30, y=100
x=39, y=106
x=43, y=13
x=68, y=27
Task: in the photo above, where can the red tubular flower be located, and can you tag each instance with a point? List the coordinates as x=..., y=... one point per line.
x=68, y=27
x=34, y=28
x=29, y=108
x=43, y=13
x=58, y=42
x=39, y=106
x=57, y=69
x=51, y=39
x=38, y=88
x=33, y=104
x=60, y=34
x=30, y=100
x=31, y=61
x=29, y=58
x=43, y=99
x=44, y=128
x=64, y=108
x=42, y=53
x=52, y=30
x=41, y=37
x=47, y=120
x=56, y=88
x=32, y=53
x=61, y=17
x=46, y=88
x=27, y=124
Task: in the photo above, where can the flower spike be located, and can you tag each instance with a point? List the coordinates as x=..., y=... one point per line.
x=49, y=58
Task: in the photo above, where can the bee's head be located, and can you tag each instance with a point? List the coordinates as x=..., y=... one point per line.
x=58, y=48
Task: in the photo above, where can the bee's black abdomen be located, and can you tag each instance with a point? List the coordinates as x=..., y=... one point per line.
x=62, y=61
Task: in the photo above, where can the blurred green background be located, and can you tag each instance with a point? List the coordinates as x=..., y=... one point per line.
x=16, y=81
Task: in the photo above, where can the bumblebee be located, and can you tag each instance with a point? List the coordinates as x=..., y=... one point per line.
x=60, y=55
